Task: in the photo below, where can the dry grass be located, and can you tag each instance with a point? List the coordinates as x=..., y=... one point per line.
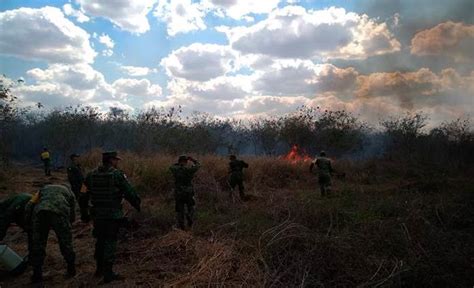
x=388, y=225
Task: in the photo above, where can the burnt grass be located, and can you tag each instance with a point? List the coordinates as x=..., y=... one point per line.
x=386, y=224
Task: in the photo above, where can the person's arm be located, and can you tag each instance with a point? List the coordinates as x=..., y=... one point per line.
x=128, y=191
x=311, y=167
x=84, y=201
x=196, y=165
x=244, y=164
x=29, y=208
x=7, y=215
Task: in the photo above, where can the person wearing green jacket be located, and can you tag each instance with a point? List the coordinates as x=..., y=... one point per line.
x=107, y=186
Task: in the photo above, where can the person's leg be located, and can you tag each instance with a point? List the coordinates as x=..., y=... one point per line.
x=99, y=247
x=241, y=189
x=190, y=210
x=62, y=228
x=179, y=207
x=39, y=235
x=110, y=247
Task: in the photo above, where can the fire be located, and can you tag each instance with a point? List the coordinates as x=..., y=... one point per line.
x=295, y=155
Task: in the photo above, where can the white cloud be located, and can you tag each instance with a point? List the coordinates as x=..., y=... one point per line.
x=180, y=16
x=135, y=88
x=199, y=62
x=294, y=32
x=128, y=15
x=70, y=11
x=43, y=34
x=136, y=71
x=240, y=9
x=107, y=41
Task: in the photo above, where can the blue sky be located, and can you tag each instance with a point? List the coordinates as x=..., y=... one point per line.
x=242, y=58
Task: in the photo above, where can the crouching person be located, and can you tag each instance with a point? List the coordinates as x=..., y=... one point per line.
x=51, y=208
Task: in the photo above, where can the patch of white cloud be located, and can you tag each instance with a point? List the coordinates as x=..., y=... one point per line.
x=180, y=16
x=200, y=62
x=128, y=15
x=240, y=9
x=137, y=71
x=294, y=32
x=44, y=34
x=77, y=14
x=125, y=87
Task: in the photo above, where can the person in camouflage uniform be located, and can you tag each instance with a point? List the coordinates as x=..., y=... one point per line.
x=51, y=208
x=236, y=168
x=325, y=171
x=107, y=186
x=46, y=158
x=74, y=175
x=76, y=179
x=12, y=210
x=183, y=191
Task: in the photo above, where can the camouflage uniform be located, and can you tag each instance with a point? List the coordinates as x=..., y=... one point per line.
x=54, y=210
x=76, y=179
x=184, y=192
x=106, y=188
x=236, y=168
x=324, y=174
x=12, y=210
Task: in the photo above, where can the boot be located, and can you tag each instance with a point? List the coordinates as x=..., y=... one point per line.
x=71, y=270
x=110, y=275
x=99, y=270
x=37, y=276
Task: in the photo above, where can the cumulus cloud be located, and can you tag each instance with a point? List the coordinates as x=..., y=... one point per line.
x=130, y=16
x=240, y=9
x=43, y=34
x=294, y=32
x=455, y=40
x=136, y=71
x=77, y=14
x=125, y=87
x=180, y=16
x=303, y=78
x=199, y=62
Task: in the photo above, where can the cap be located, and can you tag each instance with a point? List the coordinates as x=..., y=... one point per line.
x=182, y=158
x=111, y=155
x=232, y=156
x=322, y=153
x=74, y=156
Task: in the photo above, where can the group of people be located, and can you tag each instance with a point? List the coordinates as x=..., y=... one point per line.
x=100, y=195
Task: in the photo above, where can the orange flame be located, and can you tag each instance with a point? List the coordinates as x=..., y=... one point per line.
x=295, y=155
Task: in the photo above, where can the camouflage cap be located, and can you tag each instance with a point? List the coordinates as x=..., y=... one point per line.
x=111, y=155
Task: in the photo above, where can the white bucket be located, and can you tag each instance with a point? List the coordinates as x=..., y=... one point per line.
x=9, y=259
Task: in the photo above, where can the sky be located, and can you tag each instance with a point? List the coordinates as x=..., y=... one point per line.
x=243, y=58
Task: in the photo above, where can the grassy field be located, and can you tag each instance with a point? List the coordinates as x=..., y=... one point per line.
x=387, y=224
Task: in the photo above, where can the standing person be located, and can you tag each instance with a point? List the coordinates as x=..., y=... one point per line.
x=107, y=186
x=183, y=191
x=46, y=158
x=51, y=208
x=236, y=168
x=76, y=179
x=324, y=173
